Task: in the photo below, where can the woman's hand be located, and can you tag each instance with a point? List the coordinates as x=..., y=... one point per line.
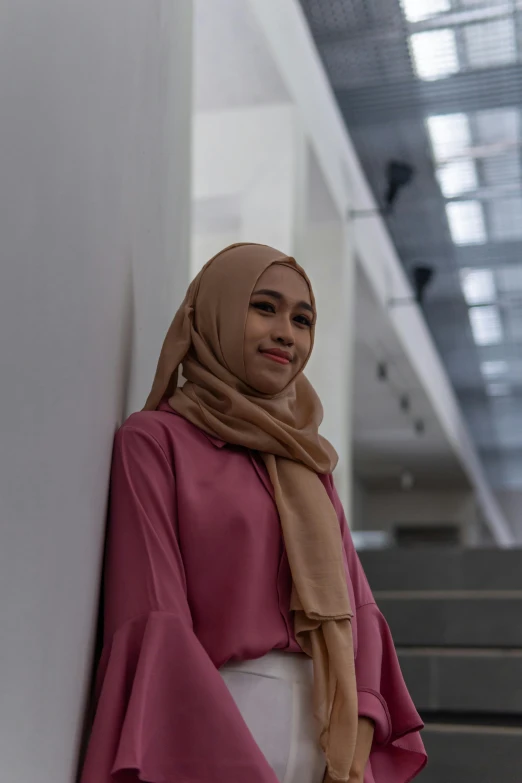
x=363, y=746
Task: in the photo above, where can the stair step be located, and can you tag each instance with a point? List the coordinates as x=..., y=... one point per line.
x=472, y=754
x=448, y=568
x=418, y=620
x=487, y=681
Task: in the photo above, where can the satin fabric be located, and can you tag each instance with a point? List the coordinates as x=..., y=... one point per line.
x=197, y=576
x=206, y=338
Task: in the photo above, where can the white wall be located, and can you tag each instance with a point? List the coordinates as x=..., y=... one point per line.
x=374, y=509
x=330, y=264
x=245, y=166
x=383, y=510
x=94, y=218
x=205, y=246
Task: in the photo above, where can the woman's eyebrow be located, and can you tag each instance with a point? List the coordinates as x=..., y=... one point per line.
x=277, y=295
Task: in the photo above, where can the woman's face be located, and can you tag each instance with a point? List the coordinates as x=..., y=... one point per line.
x=278, y=329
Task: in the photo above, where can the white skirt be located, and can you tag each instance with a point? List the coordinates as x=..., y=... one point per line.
x=274, y=696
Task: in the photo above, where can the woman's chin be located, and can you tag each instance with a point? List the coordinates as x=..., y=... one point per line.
x=269, y=384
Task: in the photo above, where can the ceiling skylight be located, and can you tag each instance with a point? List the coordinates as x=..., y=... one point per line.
x=491, y=43
x=494, y=369
x=498, y=389
x=418, y=10
x=498, y=126
x=434, y=54
x=457, y=177
x=509, y=278
x=450, y=136
x=486, y=325
x=466, y=222
x=478, y=286
x=506, y=218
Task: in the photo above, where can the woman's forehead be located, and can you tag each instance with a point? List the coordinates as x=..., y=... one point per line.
x=285, y=280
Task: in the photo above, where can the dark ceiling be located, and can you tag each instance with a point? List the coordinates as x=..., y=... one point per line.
x=438, y=84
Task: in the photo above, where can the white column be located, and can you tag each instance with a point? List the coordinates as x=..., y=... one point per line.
x=94, y=227
x=322, y=245
x=270, y=203
x=330, y=263
x=246, y=158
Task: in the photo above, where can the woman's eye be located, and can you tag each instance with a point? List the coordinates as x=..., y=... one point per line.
x=266, y=306
x=303, y=320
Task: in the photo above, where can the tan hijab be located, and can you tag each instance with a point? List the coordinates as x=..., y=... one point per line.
x=207, y=339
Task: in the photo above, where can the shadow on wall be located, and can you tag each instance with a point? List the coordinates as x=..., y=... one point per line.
x=127, y=337
x=128, y=329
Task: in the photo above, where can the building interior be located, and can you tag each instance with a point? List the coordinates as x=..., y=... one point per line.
x=379, y=142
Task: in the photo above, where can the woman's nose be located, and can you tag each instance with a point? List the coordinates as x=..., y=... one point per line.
x=283, y=332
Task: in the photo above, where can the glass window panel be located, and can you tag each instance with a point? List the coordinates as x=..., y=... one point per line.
x=434, y=54
x=501, y=169
x=498, y=389
x=457, y=177
x=494, y=369
x=486, y=325
x=505, y=218
x=496, y=126
x=417, y=10
x=514, y=324
x=450, y=135
x=490, y=43
x=466, y=222
x=509, y=279
x=478, y=286
x=482, y=3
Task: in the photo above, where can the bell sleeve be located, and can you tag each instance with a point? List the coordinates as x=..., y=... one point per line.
x=398, y=753
x=162, y=711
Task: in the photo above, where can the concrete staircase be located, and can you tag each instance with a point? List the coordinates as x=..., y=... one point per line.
x=456, y=618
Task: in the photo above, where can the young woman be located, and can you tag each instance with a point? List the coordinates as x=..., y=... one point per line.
x=242, y=643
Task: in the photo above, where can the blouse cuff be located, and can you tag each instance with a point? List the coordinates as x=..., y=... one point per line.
x=372, y=706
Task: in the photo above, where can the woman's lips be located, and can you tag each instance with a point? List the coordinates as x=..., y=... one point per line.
x=276, y=357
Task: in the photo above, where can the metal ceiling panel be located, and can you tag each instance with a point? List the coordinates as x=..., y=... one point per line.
x=505, y=218
x=439, y=85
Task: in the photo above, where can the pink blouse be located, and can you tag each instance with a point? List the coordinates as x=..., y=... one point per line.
x=196, y=575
